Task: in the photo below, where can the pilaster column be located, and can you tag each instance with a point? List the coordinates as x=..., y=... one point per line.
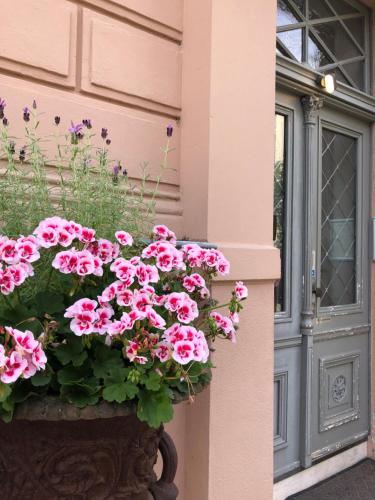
x=311, y=105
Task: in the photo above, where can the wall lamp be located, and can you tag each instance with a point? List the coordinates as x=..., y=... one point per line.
x=328, y=83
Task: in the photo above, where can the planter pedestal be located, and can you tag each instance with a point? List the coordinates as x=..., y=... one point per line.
x=52, y=451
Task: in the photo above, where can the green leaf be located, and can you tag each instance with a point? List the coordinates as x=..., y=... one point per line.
x=6, y=411
x=73, y=375
x=49, y=302
x=106, y=361
x=79, y=395
x=155, y=407
x=152, y=381
x=5, y=390
x=120, y=392
x=72, y=351
x=41, y=378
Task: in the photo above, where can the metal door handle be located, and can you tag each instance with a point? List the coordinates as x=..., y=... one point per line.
x=317, y=291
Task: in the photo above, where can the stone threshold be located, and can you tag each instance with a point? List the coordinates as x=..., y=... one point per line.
x=319, y=472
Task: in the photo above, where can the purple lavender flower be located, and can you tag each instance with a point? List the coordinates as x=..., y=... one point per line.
x=26, y=114
x=76, y=132
x=12, y=147
x=87, y=123
x=57, y=120
x=124, y=172
x=169, y=130
x=5, y=121
x=22, y=155
x=75, y=129
x=104, y=133
x=108, y=142
x=2, y=106
x=116, y=169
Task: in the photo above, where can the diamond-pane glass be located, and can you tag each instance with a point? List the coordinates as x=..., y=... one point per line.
x=279, y=200
x=338, y=219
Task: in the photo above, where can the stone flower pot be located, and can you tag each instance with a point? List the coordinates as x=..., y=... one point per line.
x=55, y=451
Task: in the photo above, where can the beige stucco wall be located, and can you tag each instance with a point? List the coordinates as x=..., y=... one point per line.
x=227, y=147
x=132, y=66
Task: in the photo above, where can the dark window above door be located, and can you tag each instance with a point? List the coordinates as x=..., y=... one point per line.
x=330, y=36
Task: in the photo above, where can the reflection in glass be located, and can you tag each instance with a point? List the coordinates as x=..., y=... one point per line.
x=318, y=9
x=355, y=70
x=316, y=56
x=356, y=27
x=292, y=40
x=279, y=200
x=334, y=36
x=342, y=7
x=285, y=15
x=338, y=219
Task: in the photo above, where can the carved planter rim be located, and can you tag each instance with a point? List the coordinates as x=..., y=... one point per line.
x=52, y=408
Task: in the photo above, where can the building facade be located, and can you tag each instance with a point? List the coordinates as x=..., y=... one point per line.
x=268, y=165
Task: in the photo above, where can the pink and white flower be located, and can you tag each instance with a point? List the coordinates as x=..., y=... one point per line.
x=183, y=351
x=124, y=238
x=87, y=235
x=14, y=366
x=83, y=323
x=80, y=306
x=241, y=290
x=124, y=270
x=163, y=351
x=25, y=341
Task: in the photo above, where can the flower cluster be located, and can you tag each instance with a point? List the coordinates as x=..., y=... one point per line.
x=149, y=305
x=16, y=257
x=21, y=355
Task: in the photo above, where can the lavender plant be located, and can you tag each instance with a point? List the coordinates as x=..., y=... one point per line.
x=78, y=182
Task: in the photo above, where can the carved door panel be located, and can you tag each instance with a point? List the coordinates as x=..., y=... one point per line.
x=321, y=219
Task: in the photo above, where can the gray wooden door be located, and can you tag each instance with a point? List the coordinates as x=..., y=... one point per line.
x=322, y=198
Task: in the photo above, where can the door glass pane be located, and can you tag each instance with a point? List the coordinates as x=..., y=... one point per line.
x=338, y=219
x=279, y=201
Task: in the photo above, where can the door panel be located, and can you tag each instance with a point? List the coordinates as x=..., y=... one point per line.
x=321, y=214
x=340, y=391
x=287, y=218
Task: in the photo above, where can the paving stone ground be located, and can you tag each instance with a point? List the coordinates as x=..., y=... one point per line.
x=356, y=483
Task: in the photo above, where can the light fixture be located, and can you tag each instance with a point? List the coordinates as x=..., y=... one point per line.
x=328, y=83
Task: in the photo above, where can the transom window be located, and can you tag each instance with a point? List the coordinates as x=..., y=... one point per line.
x=330, y=36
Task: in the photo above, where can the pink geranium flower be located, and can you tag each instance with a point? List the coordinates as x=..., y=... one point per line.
x=124, y=238
x=87, y=235
x=183, y=351
x=240, y=290
x=25, y=341
x=83, y=323
x=15, y=364
x=80, y=306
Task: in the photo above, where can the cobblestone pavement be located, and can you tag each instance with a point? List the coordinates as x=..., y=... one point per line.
x=356, y=483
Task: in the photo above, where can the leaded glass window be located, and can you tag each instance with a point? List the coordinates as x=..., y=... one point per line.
x=338, y=219
x=327, y=35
